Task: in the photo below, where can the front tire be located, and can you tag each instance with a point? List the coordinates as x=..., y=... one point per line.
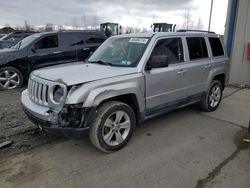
x=10, y=78
x=112, y=126
x=213, y=96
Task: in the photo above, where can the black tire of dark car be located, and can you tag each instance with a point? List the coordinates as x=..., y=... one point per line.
x=213, y=96
x=10, y=78
x=108, y=131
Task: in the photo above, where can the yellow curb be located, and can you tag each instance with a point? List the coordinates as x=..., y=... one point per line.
x=246, y=140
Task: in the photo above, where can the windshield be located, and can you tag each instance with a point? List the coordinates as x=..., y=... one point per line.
x=6, y=36
x=122, y=51
x=26, y=41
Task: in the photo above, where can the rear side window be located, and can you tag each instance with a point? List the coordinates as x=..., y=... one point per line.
x=197, y=48
x=94, y=40
x=47, y=42
x=68, y=39
x=216, y=46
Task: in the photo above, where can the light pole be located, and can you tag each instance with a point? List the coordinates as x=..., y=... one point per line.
x=210, y=16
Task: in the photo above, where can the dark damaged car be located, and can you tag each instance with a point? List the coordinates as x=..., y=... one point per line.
x=42, y=50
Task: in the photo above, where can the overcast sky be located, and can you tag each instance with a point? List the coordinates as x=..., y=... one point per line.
x=136, y=13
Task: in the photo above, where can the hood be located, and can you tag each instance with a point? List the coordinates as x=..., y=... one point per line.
x=7, y=55
x=71, y=74
x=6, y=51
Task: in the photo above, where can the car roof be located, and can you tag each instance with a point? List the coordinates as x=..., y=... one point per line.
x=70, y=32
x=162, y=34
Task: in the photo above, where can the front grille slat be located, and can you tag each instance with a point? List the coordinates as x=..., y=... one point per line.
x=38, y=92
x=44, y=94
x=32, y=89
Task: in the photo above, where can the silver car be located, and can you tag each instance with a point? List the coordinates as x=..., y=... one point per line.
x=128, y=79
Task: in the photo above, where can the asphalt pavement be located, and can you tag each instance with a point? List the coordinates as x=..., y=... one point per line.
x=185, y=148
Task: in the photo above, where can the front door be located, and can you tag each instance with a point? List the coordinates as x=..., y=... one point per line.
x=44, y=52
x=164, y=80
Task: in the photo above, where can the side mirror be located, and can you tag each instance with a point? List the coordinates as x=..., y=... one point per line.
x=157, y=62
x=33, y=49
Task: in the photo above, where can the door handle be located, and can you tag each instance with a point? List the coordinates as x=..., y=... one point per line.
x=207, y=66
x=181, y=71
x=57, y=52
x=86, y=49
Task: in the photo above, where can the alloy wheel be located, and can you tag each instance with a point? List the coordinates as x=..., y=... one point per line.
x=116, y=128
x=215, y=96
x=9, y=79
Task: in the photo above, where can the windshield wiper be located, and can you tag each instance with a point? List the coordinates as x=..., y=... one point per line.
x=101, y=62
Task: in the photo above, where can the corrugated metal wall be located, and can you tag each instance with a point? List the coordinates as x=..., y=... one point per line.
x=240, y=66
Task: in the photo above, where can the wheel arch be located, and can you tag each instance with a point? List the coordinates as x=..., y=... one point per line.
x=22, y=66
x=129, y=99
x=221, y=78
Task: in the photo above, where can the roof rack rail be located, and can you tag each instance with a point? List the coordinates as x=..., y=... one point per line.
x=194, y=30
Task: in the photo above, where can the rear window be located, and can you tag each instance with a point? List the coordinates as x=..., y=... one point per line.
x=197, y=48
x=216, y=46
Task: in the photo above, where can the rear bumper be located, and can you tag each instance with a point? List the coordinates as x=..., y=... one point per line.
x=47, y=120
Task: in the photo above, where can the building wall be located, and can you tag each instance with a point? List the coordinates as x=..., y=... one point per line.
x=240, y=66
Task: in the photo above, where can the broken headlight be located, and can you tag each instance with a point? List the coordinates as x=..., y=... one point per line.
x=58, y=94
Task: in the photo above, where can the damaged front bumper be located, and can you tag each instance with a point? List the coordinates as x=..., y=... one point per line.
x=48, y=120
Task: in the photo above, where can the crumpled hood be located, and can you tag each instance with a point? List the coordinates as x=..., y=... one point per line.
x=76, y=73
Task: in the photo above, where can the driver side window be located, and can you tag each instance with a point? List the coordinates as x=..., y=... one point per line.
x=47, y=42
x=166, y=52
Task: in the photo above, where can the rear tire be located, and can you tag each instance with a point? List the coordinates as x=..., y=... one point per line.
x=213, y=96
x=112, y=126
x=10, y=78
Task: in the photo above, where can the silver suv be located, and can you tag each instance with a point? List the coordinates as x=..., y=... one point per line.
x=128, y=79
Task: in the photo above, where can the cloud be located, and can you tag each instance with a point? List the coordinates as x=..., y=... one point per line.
x=67, y=11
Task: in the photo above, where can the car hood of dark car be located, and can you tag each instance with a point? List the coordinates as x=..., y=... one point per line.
x=8, y=54
x=6, y=51
x=77, y=73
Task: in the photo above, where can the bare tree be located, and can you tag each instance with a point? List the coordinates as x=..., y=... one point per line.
x=199, y=24
x=84, y=21
x=26, y=26
x=60, y=28
x=188, y=23
x=144, y=30
x=49, y=27
x=74, y=23
x=94, y=21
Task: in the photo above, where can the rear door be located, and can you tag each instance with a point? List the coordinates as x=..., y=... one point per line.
x=67, y=47
x=87, y=43
x=218, y=52
x=198, y=66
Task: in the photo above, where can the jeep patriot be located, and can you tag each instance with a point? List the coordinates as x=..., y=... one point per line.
x=128, y=79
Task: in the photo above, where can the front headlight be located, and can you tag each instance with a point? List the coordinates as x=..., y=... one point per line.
x=58, y=94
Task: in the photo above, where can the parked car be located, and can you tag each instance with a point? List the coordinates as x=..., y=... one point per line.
x=13, y=38
x=128, y=79
x=45, y=49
